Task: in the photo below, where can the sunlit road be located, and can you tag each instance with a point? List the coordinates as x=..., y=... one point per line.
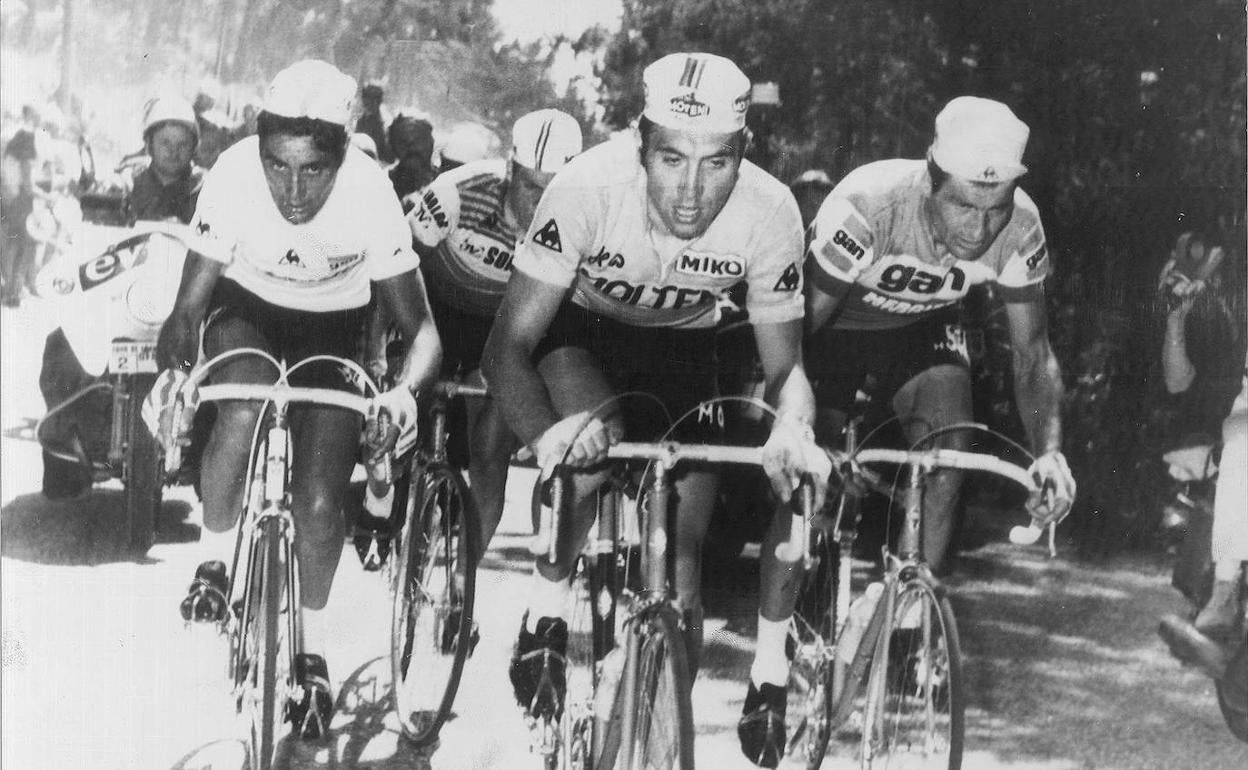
x=99, y=671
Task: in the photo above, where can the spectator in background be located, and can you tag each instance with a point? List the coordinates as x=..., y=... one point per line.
x=374, y=118
x=411, y=142
x=169, y=187
x=466, y=143
x=1202, y=354
x=216, y=130
x=20, y=155
x=810, y=188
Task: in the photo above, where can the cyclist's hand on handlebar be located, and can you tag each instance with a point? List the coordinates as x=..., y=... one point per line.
x=791, y=451
x=400, y=405
x=158, y=409
x=1055, y=489
x=579, y=440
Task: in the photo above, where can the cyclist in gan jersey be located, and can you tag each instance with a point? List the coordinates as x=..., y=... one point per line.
x=615, y=290
x=894, y=247
x=466, y=225
x=296, y=230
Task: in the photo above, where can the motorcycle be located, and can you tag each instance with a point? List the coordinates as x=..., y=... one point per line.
x=113, y=286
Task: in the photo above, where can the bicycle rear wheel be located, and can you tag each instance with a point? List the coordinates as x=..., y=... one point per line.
x=435, y=579
x=914, y=716
x=812, y=638
x=662, y=718
x=264, y=675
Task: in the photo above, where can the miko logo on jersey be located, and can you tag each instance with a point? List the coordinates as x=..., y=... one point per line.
x=710, y=265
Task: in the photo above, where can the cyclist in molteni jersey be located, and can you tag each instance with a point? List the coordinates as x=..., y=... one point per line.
x=615, y=290
x=295, y=231
x=893, y=248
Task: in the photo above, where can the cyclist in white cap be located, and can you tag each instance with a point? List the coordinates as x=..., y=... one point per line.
x=466, y=224
x=616, y=289
x=893, y=249
x=296, y=231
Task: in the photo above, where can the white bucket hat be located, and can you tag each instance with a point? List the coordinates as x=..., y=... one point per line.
x=696, y=92
x=312, y=89
x=980, y=139
x=545, y=140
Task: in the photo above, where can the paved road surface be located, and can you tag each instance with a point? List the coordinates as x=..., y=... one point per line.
x=99, y=672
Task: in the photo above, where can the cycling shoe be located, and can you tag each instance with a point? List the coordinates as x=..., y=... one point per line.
x=538, y=667
x=205, y=600
x=761, y=727
x=311, y=710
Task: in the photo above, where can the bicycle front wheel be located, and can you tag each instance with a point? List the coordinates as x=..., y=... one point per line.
x=812, y=638
x=435, y=578
x=264, y=675
x=914, y=715
x=662, y=712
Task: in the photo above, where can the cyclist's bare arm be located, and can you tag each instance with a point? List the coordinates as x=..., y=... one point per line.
x=178, y=344
x=1037, y=374
x=404, y=301
x=528, y=308
x=823, y=301
x=784, y=376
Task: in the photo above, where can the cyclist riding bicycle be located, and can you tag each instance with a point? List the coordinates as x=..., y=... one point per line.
x=894, y=247
x=296, y=230
x=615, y=290
x=466, y=225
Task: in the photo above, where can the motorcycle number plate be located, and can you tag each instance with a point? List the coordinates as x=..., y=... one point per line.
x=132, y=358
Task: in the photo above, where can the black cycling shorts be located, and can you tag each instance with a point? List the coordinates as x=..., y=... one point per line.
x=237, y=318
x=840, y=362
x=675, y=366
x=463, y=336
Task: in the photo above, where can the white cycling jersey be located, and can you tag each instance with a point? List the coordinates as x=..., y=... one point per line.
x=460, y=218
x=871, y=232
x=325, y=264
x=591, y=231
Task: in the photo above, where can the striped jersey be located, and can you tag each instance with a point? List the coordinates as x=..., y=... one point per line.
x=468, y=242
x=591, y=232
x=324, y=264
x=871, y=232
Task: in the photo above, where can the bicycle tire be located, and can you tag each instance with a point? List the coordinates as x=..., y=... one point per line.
x=142, y=469
x=1232, y=691
x=264, y=650
x=662, y=735
x=812, y=639
x=915, y=705
x=432, y=614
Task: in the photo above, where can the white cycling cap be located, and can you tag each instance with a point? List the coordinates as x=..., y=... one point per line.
x=312, y=89
x=545, y=140
x=696, y=92
x=467, y=142
x=365, y=144
x=980, y=139
x=169, y=109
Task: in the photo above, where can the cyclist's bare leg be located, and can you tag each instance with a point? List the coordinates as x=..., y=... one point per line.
x=575, y=383
x=223, y=466
x=695, y=493
x=488, y=462
x=326, y=446
x=930, y=400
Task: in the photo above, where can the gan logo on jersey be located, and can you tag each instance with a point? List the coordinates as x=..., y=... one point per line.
x=548, y=236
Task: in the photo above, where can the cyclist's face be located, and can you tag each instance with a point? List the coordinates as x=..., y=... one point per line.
x=300, y=176
x=967, y=216
x=524, y=191
x=689, y=178
x=171, y=146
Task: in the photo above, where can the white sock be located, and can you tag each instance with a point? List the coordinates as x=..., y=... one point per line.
x=314, y=631
x=547, y=599
x=770, y=663
x=379, y=507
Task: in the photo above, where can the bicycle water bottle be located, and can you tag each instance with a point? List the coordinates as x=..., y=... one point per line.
x=860, y=612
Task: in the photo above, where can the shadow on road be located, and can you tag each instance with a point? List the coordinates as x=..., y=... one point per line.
x=87, y=531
